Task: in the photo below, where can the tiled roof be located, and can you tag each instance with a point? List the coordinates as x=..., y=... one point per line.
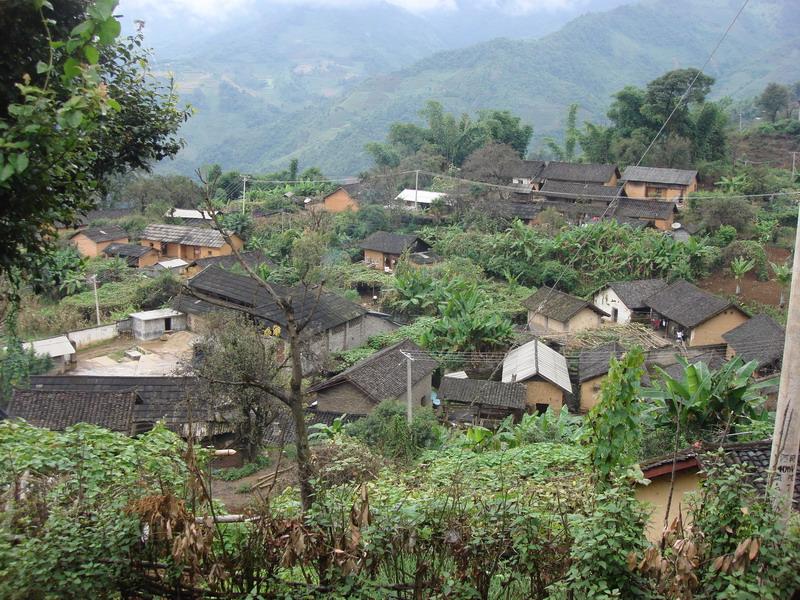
x=481, y=392
x=382, y=376
x=526, y=169
x=633, y=293
x=424, y=258
x=686, y=304
x=595, y=362
x=573, y=190
x=105, y=233
x=392, y=243
x=252, y=258
x=760, y=339
x=58, y=410
x=658, y=175
x=644, y=209
x=521, y=210
x=536, y=358
x=162, y=398
x=557, y=305
x=184, y=235
x=583, y=172
x=127, y=250
x=242, y=291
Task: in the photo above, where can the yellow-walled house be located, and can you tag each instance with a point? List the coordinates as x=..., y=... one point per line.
x=341, y=199
x=604, y=174
x=652, y=183
x=593, y=365
x=187, y=243
x=133, y=254
x=544, y=373
x=92, y=241
x=383, y=249
x=556, y=312
x=684, y=312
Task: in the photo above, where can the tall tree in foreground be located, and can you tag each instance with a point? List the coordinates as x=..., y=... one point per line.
x=79, y=105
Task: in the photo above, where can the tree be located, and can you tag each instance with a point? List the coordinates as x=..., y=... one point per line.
x=502, y=127
x=571, y=137
x=233, y=349
x=774, y=99
x=176, y=191
x=492, y=163
x=783, y=275
x=664, y=96
x=85, y=108
x=740, y=266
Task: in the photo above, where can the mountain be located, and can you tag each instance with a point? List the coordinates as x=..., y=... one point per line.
x=253, y=121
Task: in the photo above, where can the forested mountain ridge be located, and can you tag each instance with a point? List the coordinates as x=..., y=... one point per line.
x=585, y=62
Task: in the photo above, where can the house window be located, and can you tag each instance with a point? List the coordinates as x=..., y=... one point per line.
x=152, y=245
x=209, y=252
x=541, y=408
x=196, y=251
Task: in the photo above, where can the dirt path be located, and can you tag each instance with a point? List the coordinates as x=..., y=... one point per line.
x=236, y=502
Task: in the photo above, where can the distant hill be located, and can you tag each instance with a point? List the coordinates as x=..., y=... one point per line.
x=248, y=122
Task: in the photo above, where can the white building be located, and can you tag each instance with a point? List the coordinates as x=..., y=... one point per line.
x=624, y=300
x=419, y=199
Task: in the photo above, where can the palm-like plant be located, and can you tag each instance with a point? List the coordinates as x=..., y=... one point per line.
x=783, y=275
x=740, y=266
x=732, y=184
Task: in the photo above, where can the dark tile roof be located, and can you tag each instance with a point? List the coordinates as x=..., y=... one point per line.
x=382, y=376
x=424, y=258
x=569, y=207
x=58, y=410
x=645, y=209
x=760, y=339
x=574, y=190
x=127, y=250
x=392, y=243
x=686, y=304
x=171, y=399
x=103, y=233
x=557, y=305
x=184, y=235
x=481, y=392
x=243, y=293
x=521, y=210
x=633, y=293
x=658, y=175
x=526, y=169
x=595, y=362
x=584, y=172
x=252, y=258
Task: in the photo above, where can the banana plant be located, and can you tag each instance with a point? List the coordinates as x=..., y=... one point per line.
x=740, y=266
x=783, y=275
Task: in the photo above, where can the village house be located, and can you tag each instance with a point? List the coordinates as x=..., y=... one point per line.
x=187, y=243
x=335, y=324
x=58, y=348
x=654, y=183
x=419, y=200
x=689, y=474
x=176, y=401
x=382, y=376
x=342, y=199
x=133, y=254
x=92, y=241
x=190, y=216
x=593, y=366
x=684, y=312
x=252, y=258
x=467, y=400
x=645, y=213
x=544, y=373
x=152, y=324
x=57, y=410
x=760, y=339
x=528, y=173
x=581, y=172
x=382, y=249
x=625, y=300
x=574, y=191
x=552, y=311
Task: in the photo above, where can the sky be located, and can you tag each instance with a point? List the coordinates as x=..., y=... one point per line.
x=210, y=9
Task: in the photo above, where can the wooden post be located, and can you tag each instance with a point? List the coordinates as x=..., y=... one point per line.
x=786, y=436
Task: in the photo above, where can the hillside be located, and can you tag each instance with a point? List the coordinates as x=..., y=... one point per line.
x=586, y=61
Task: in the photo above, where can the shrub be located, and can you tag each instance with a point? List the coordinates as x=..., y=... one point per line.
x=345, y=460
x=154, y=293
x=387, y=431
x=749, y=250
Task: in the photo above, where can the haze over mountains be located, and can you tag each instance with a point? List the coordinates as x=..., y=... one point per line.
x=272, y=81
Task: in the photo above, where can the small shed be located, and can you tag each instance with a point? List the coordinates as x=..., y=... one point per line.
x=176, y=265
x=59, y=348
x=152, y=324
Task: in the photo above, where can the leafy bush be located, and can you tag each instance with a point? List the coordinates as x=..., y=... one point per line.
x=16, y=367
x=387, y=431
x=749, y=250
x=344, y=460
x=547, y=427
x=154, y=293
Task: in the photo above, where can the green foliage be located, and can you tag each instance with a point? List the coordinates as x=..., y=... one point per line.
x=774, y=99
x=613, y=425
x=16, y=367
x=72, y=535
x=746, y=252
x=134, y=292
x=239, y=223
x=234, y=474
x=547, y=427
x=387, y=431
x=571, y=137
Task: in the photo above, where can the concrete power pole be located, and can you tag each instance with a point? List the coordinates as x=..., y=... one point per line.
x=244, y=192
x=786, y=437
x=416, y=188
x=409, y=388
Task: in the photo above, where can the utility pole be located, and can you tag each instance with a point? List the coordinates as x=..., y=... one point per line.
x=409, y=393
x=96, y=300
x=786, y=436
x=416, y=188
x=244, y=191
x=794, y=161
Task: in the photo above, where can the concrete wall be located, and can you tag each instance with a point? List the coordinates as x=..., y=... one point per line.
x=155, y=328
x=340, y=201
x=655, y=497
x=92, y=335
x=608, y=300
x=711, y=331
x=543, y=392
x=87, y=247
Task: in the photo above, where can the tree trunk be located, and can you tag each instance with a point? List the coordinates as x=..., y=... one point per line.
x=304, y=469
x=783, y=299
x=738, y=287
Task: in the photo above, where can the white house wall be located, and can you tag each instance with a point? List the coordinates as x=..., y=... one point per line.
x=608, y=300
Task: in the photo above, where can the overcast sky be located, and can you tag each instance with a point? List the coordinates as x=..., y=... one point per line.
x=212, y=8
